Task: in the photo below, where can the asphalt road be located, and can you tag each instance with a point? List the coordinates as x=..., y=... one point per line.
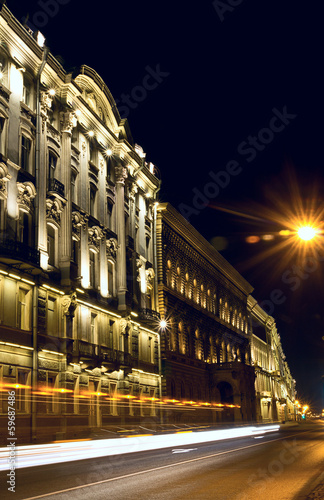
x=278, y=466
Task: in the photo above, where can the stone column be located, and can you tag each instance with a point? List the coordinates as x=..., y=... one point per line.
x=121, y=175
x=68, y=121
x=42, y=179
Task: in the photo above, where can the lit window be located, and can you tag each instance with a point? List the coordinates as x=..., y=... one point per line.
x=27, y=93
x=24, y=309
x=52, y=328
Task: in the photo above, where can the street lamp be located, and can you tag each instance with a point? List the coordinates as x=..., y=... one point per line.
x=306, y=233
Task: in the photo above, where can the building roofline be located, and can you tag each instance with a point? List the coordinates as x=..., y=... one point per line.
x=183, y=227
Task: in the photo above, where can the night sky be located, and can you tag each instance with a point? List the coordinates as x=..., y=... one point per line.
x=233, y=86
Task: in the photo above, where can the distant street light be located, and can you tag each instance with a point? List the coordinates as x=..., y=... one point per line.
x=306, y=233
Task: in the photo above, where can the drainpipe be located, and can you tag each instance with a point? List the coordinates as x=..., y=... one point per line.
x=38, y=134
x=35, y=291
x=156, y=297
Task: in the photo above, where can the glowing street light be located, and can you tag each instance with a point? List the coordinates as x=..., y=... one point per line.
x=163, y=323
x=306, y=233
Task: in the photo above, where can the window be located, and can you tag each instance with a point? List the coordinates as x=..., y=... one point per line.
x=2, y=134
x=52, y=161
x=24, y=309
x=197, y=345
x=109, y=212
x=25, y=154
x=51, y=243
x=75, y=251
x=9, y=303
x=110, y=278
x=25, y=228
x=146, y=347
x=27, y=93
x=92, y=268
x=93, y=196
x=169, y=273
x=52, y=323
x=178, y=278
x=74, y=197
x=94, y=328
x=3, y=70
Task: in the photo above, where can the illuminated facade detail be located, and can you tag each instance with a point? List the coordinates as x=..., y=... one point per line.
x=205, y=357
x=274, y=385
x=74, y=221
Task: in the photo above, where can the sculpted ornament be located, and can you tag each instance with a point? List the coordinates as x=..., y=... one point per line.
x=54, y=208
x=125, y=325
x=120, y=174
x=4, y=178
x=68, y=121
x=69, y=304
x=45, y=104
x=95, y=234
x=26, y=194
x=79, y=221
x=112, y=246
x=150, y=274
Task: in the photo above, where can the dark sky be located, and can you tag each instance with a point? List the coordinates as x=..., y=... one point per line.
x=227, y=72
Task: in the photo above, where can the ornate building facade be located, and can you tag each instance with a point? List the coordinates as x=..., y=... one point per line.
x=78, y=341
x=274, y=385
x=205, y=345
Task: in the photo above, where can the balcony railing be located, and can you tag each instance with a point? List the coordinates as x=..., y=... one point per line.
x=114, y=356
x=56, y=186
x=20, y=251
x=149, y=314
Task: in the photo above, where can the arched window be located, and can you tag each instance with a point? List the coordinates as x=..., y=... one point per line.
x=197, y=344
x=195, y=291
x=202, y=296
x=169, y=273
x=221, y=309
x=182, y=339
x=187, y=285
x=226, y=312
x=178, y=278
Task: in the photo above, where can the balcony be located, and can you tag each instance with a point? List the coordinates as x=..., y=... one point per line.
x=115, y=357
x=14, y=251
x=149, y=315
x=55, y=186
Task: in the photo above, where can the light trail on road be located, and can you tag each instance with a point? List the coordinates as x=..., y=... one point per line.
x=36, y=455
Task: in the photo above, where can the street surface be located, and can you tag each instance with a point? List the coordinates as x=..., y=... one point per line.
x=278, y=466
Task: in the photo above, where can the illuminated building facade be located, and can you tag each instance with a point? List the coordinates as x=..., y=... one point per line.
x=205, y=346
x=274, y=385
x=78, y=288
